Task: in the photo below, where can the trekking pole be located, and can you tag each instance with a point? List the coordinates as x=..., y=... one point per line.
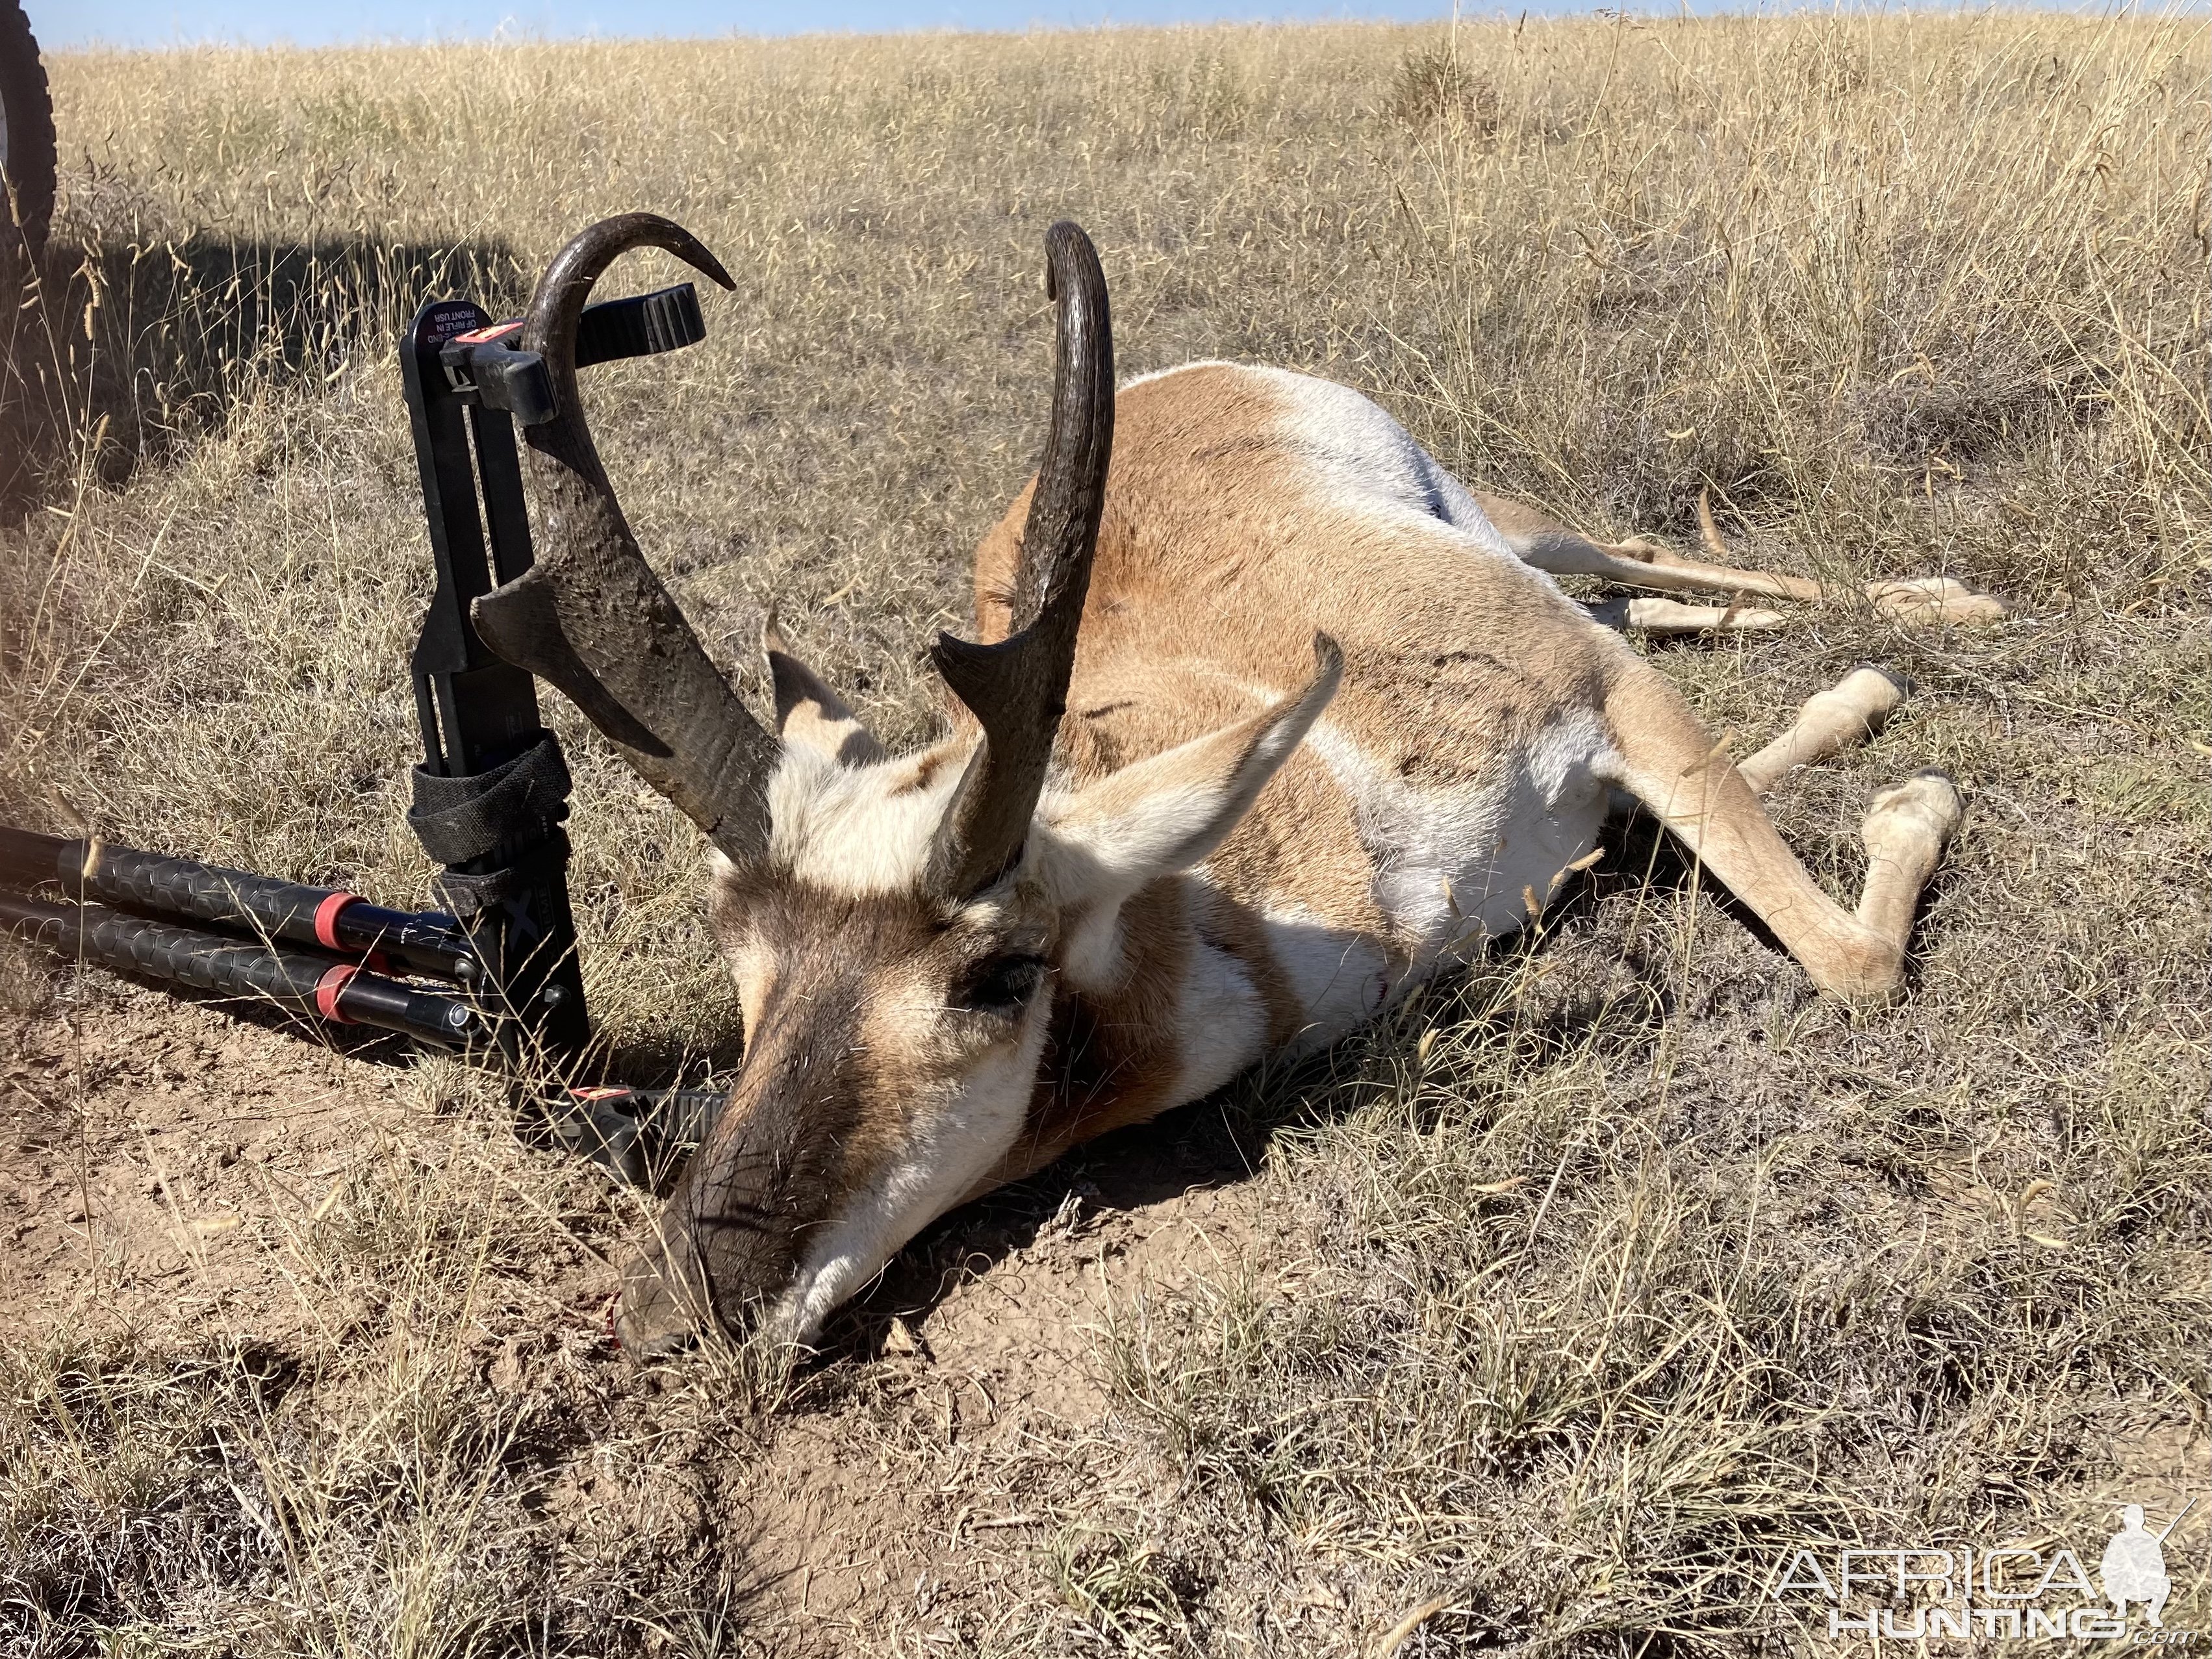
x=616, y=1126
x=298, y=982
x=419, y=942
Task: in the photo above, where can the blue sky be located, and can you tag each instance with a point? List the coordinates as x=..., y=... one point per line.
x=62, y=23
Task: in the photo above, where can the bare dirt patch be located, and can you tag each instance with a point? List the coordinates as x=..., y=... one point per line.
x=147, y=1151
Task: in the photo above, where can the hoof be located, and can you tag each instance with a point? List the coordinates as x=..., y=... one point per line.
x=1924, y=809
x=1936, y=599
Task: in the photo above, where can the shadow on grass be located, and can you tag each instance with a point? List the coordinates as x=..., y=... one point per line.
x=112, y=353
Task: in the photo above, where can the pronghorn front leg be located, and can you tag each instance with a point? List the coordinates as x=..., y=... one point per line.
x=1668, y=616
x=1553, y=548
x=1669, y=761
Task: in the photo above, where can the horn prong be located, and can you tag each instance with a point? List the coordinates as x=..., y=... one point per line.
x=590, y=616
x=1018, y=688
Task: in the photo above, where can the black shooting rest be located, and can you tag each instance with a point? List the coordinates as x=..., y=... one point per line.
x=493, y=975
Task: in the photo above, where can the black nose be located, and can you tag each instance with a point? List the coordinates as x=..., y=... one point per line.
x=651, y=1324
x=662, y=1344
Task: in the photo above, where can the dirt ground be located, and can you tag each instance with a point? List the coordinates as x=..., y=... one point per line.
x=162, y=1167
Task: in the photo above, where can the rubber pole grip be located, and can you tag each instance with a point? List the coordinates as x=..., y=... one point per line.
x=425, y=942
x=292, y=980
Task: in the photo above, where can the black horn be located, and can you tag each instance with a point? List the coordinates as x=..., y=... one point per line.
x=1018, y=689
x=590, y=616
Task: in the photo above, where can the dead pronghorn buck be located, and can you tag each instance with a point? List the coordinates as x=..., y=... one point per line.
x=1267, y=727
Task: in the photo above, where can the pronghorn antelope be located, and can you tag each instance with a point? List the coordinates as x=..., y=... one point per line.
x=1329, y=726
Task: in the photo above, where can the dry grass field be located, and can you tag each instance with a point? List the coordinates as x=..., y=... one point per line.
x=1551, y=1317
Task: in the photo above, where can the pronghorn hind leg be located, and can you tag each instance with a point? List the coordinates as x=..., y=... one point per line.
x=1553, y=548
x=1831, y=721
x=1913, y=600
x=1669, y=762
x=1556, y=550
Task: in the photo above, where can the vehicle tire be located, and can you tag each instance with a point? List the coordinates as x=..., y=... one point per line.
x=27, y=132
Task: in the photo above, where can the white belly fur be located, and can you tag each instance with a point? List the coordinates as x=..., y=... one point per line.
x=1455, y=867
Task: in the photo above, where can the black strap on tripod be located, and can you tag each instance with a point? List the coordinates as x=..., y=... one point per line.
x=459, y=820
x=498, y=833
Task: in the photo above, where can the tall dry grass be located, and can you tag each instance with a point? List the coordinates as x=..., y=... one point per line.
x=1618, y=1264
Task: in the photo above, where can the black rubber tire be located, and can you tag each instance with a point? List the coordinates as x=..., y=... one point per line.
x=29, y=115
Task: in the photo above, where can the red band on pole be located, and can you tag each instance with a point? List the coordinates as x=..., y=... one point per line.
x=328, y=989
x=326, y=917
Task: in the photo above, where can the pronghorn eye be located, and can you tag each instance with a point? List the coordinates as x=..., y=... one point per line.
x=999, y=985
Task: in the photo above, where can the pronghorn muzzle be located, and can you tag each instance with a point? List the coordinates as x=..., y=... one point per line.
x=770, y=1177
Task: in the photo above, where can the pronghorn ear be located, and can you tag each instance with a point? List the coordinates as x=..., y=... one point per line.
x=1168, y=813
x=808, y=713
